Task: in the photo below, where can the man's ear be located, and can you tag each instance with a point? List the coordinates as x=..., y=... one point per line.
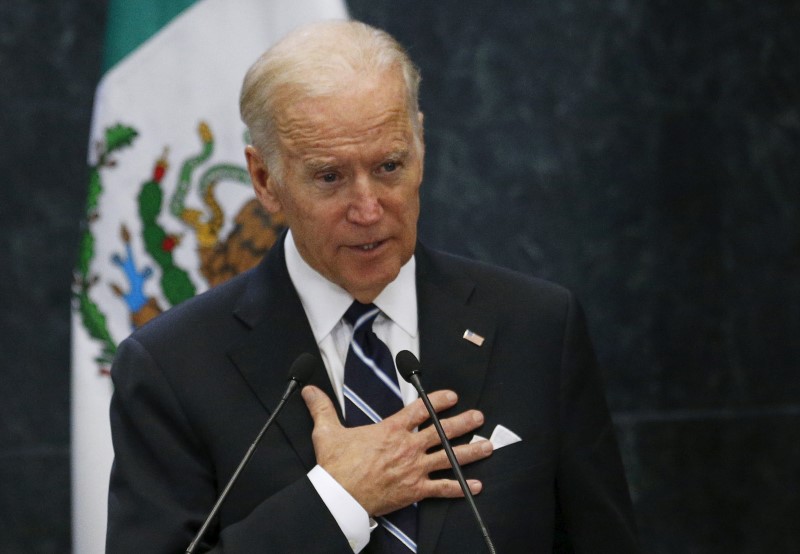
x=264, y=183
x=421, y=120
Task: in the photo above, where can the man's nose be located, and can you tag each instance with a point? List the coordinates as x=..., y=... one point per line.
x=365, y=206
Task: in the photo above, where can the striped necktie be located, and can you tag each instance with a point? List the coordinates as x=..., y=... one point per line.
x=372, y=393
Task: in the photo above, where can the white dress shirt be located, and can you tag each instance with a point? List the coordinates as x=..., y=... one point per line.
x=325, y=304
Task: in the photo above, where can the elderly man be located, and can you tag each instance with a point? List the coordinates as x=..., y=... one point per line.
x=338, y=151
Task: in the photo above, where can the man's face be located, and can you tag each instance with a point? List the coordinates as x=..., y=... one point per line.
x=351, y=177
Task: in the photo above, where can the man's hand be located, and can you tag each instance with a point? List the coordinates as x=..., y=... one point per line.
x=385, y=466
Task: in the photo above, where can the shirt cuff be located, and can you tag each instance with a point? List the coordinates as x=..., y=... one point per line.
x=352, y=518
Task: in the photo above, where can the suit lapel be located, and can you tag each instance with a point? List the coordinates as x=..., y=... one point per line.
x=278, y=333
x=447, y=359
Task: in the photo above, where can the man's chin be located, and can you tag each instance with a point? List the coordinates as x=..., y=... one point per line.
x=366, y=287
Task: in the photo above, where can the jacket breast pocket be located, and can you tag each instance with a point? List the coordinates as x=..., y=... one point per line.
x=520, y=464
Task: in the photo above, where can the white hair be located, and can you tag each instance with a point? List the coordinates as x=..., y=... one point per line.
x=313, y=61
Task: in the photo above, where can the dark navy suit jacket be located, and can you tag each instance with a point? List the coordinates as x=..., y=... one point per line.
x=194, y=386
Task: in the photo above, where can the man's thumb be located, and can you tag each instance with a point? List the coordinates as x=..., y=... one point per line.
x=319, y=405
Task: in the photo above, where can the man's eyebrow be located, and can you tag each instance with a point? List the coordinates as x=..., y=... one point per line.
x=316, y=165
x=398, y=154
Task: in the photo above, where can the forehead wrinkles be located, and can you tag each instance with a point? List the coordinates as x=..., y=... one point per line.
x=308, y=128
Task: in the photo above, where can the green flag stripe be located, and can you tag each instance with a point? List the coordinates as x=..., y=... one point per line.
x=131, y=22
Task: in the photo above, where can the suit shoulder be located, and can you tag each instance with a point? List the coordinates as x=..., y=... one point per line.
x=198, y=311
x=502, y=281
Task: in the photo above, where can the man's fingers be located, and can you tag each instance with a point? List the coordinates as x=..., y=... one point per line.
x=465, y=454
x=320, y=407
x=416, y=413
x=453, y=427
x=449, y=488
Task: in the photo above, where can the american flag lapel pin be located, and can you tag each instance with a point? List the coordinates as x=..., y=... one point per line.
x=473, y=337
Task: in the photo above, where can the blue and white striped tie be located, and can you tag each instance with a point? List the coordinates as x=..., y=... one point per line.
x=371, y=393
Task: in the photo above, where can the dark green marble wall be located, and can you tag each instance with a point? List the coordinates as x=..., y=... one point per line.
x=49, y=66
x=645, y=154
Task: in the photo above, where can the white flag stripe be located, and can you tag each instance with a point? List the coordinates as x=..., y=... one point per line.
x=190, y=71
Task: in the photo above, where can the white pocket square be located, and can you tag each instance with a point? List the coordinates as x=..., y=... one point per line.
x=501, y=436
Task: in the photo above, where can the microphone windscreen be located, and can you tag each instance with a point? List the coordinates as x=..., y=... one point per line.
x=407, y=364
x=304, y=367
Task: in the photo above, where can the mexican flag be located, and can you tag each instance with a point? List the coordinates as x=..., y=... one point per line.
x=170, y=210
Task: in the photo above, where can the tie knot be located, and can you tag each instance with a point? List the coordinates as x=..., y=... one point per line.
x=358, y=312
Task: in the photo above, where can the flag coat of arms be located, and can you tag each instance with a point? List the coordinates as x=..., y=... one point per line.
x=170, y=211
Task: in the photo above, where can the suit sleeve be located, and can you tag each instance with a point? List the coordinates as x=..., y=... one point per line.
x=592, y=492
x=163, y=484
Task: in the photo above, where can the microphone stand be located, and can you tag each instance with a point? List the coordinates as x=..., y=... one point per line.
x=299, y=373
x=408, y=365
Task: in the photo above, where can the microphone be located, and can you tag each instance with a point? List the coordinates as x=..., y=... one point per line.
x=299, y=374
x=409, y=367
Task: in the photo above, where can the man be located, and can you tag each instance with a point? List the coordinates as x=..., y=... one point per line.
x=338, y=151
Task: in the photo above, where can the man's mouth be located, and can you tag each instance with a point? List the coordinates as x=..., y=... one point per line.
x=370, y=246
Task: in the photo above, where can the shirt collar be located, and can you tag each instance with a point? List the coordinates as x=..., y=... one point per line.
x=325, y=303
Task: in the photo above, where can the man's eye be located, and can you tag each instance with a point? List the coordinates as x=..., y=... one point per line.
x=390, y=166
x=329, y=177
